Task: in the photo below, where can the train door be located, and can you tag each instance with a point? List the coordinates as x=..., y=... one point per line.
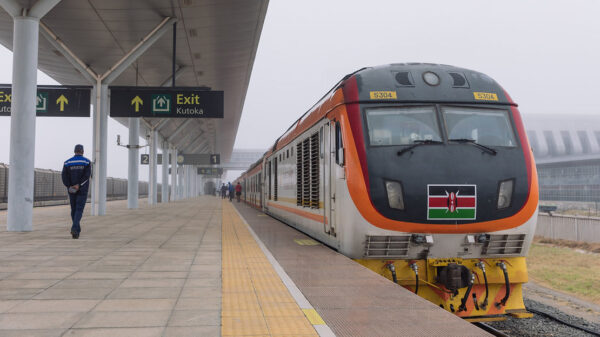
x=260, y=189
x=332, y=175
x=326, y=166
x=268, y=184
x=275, y=179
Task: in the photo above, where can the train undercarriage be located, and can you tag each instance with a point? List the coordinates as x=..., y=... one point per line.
x=478, y=290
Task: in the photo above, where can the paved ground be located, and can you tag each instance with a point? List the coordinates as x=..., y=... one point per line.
x=149, y=272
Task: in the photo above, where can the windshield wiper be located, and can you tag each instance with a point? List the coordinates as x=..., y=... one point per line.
x=473, y=142
x=417, y=143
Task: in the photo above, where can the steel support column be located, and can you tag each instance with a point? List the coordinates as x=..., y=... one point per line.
x=173, y=174
x=22, y=121
x=22, y=124
x=98, y=206
x=133, y=169
x=180, y=182
x=192, y=182
x=194, y=179
x=184, y=194
x=165, y=173
x=152, y=181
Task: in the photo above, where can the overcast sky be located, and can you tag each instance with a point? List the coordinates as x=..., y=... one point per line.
x=546, y=55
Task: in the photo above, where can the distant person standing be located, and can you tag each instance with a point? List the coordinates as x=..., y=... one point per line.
x=76, y=174
x=223, y=191
x=238, y=191
x=231, y=191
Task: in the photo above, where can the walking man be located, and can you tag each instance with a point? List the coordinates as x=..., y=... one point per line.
x=76, y=176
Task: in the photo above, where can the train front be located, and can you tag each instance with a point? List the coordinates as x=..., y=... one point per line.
x=440, y=168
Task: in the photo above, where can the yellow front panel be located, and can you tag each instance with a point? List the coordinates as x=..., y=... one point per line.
x=430, y=289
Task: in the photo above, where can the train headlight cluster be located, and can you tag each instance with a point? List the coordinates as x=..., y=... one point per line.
x=505, y=193
x=431, y=78
x=394, y=193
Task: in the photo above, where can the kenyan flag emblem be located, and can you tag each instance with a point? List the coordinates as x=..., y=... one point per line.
x=451, y=202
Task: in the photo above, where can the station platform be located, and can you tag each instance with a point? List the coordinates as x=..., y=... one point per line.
x=197, y=267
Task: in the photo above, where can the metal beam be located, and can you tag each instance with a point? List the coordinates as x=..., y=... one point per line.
x=75, y=61
x=12, y=7
x=200, y=145
x=41, y=8
x=161, y=124
x=115, y=71
x=204, y=147
x=194, y=142
x=185, y=141
x=147, y=125
x=178, y=73
x=179, y=129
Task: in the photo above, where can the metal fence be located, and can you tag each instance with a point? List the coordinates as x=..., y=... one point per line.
x=574, y=228
x=48, y=187
x=570, y=181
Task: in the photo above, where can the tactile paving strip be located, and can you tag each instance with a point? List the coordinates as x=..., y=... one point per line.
x=351, y=299
x=255, y=300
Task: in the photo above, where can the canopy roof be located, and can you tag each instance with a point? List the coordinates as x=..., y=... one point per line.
x=216, y=45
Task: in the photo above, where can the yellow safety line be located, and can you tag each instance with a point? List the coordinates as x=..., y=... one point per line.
x=255, y=301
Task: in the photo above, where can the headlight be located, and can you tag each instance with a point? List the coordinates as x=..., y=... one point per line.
x=394, y=193
x=505, y=193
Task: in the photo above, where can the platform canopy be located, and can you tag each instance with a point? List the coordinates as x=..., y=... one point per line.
x=216, y=45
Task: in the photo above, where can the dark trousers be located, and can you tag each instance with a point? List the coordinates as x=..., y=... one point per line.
x=77, y=204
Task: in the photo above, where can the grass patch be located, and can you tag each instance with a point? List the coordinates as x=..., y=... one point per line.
x=566, y=270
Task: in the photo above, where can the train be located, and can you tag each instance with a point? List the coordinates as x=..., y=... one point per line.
x=422, y=173
x=48, y=188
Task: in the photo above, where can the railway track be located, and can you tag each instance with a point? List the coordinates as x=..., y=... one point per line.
x=490, y=329
x=564, y=322
x=547, y=321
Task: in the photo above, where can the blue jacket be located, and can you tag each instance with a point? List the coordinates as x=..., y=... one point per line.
x=77, y=170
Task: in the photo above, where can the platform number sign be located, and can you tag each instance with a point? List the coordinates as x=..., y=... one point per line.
x=145, y=159
x=215, y=159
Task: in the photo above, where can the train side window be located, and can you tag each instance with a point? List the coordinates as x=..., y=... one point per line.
x=321, y=143
x=339, y=145
x=287, y=153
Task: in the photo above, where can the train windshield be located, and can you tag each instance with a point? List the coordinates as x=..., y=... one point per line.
x=402, y=125
x=489, y=127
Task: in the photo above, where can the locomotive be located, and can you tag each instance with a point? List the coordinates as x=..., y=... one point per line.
x=420, y=172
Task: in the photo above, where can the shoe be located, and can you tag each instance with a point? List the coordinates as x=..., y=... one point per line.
x=76, y=236
x=73, y=235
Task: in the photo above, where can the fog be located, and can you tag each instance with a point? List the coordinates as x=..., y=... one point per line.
x=544, y=53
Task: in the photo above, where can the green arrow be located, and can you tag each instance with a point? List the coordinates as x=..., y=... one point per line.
x=62, y=100
x=137, y=101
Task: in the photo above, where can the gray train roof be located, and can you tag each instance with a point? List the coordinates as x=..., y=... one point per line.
x=216, y=45
x=407, y=81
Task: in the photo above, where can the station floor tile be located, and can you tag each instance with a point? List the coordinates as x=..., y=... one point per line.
x=155, y=271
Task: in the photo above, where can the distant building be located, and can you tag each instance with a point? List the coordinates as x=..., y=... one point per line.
x=567, y=155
